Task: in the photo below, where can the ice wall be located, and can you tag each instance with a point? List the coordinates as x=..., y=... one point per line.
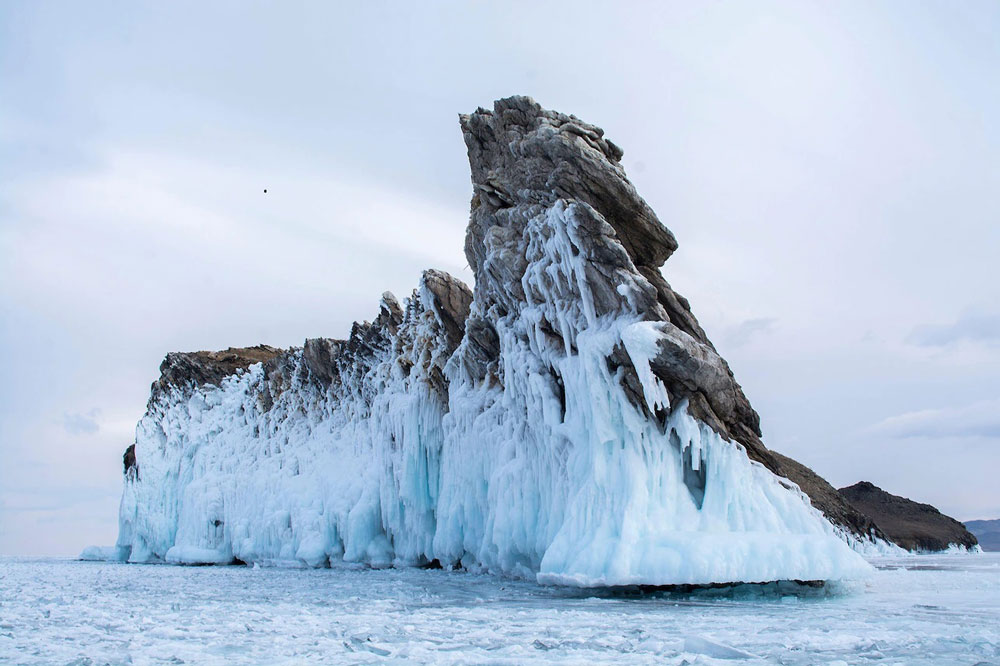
x=568, y=420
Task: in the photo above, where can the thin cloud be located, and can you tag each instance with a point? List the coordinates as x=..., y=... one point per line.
x=81, y=424
x=972, y=326
x=979, y=419
x=745, y=331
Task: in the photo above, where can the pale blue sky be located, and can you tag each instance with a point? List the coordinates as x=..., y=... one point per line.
x=831, y=171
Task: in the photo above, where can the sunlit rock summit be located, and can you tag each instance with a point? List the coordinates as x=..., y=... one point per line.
x=567, y=419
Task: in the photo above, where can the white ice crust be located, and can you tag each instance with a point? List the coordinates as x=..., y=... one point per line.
x=570, y=484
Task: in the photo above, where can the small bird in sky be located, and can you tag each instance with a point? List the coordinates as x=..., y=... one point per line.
x=265, y=191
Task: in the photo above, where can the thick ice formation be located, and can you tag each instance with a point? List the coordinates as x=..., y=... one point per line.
x=569, y=420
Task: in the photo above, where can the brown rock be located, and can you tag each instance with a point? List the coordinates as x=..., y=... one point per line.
x=193, y=369
x=910, y=525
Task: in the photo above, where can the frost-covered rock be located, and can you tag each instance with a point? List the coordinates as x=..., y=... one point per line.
x=567, y=420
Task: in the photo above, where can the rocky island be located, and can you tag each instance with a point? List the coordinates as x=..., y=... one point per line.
x=566, y=419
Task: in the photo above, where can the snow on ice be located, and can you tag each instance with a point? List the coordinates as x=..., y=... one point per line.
x=914, y=610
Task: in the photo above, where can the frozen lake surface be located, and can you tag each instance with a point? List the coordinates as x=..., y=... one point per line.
x=915, y=610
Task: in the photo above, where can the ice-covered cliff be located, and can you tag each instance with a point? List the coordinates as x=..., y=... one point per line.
x=567, y=419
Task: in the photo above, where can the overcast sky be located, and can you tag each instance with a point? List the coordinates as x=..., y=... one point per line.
x=831, y=171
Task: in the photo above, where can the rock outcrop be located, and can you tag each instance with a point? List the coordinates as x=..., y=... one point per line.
x=523, y=157
x=566, y=418
x=908, y=524
x=194, y=369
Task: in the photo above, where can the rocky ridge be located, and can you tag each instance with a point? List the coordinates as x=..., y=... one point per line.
x=908, y=524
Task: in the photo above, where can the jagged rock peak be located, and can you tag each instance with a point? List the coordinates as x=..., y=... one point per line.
x=451, y=299
x=524, y=160
x=322, y=359
x=521, y=153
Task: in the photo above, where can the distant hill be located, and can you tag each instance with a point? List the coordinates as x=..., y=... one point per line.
x=987, y=531
x=910, y=525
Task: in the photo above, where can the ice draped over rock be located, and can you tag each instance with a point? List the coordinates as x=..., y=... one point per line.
x=568, y=419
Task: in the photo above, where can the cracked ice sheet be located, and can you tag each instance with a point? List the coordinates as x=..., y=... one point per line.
x=913, y=610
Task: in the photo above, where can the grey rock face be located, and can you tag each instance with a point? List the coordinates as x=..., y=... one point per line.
x=318, y=356
x=451, y=301
x=523, y=154
x=128, y=462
